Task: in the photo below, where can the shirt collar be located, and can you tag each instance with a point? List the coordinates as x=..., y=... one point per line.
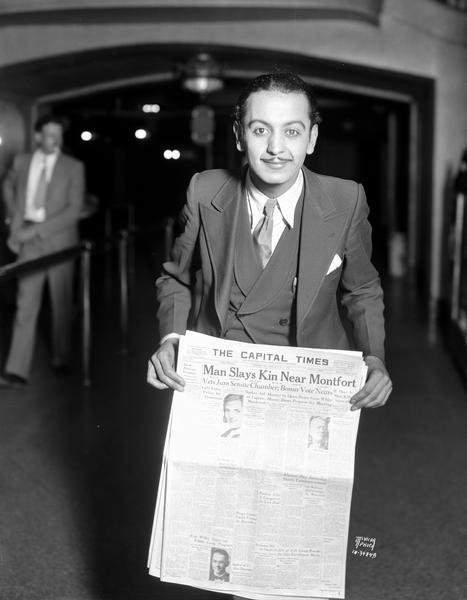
x=47, y=157
x=286, y=201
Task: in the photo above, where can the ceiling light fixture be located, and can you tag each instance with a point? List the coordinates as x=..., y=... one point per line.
x=141, y=134
x=151, y=108
x=202, y=74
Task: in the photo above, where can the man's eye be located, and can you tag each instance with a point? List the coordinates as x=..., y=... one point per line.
x=292, y=132
x=260, y=130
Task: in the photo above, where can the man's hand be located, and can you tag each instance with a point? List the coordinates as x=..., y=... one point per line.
x=23, y=235
x=377, y=388
x=13, y=244
x=161, y=367
x=26, y=234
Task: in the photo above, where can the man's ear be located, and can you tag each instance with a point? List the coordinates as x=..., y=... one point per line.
x=37, y=137
x=313, y=138
x=238, y=132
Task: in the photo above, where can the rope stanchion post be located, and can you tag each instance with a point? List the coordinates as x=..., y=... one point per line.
x=86, y=311
x=108, y=222
x=123, y=276
x=108, y=230
x=131, y=217
x=131, y=244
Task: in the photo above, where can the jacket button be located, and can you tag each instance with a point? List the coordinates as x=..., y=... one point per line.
x=284, y=322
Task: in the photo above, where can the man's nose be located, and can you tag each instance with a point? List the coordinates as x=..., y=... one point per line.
x=275, y=144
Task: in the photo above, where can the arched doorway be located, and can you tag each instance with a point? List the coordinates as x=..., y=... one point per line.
x=377, y=128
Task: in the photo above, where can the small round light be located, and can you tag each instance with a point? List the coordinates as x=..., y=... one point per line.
x=175, y=154
x=167, y=154
x=141, y=134
x=86, y=136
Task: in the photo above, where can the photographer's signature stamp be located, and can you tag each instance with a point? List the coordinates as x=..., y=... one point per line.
x=364, y=547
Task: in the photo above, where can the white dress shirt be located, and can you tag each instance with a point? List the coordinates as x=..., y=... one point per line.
x=38, y=160
x=284, y=213
x=282, y=217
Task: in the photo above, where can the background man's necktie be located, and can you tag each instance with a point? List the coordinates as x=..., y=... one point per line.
x=262, y=234
x=41, y=189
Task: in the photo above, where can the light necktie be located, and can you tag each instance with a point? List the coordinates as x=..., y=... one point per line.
x=262, y=234
x=41, y=189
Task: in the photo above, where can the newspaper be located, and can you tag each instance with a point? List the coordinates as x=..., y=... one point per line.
x=256, y=481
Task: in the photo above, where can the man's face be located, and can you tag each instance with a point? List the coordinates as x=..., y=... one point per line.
x=276, y=137
x=50, y=138
x=218, y=564
x=317, y=431
x=233, y=412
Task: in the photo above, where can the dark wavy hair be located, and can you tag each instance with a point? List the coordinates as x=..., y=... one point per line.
x=279, y=81
x=49, y=118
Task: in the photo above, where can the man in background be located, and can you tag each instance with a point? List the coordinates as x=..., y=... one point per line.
x=44, y=192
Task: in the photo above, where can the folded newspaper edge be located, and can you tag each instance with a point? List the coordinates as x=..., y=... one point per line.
x=259, y=374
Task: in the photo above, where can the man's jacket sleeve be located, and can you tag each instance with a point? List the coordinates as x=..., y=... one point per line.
x=362, y=295
x=175, y=285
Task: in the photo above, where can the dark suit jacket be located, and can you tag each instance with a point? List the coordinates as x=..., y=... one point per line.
x=334, y=222
x=65, y=193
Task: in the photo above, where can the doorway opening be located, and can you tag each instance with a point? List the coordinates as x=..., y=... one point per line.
x=377, y=129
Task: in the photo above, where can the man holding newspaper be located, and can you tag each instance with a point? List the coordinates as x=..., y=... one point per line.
x=274, y=275
x=268, y=253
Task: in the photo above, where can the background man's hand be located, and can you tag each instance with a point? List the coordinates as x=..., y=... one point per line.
x=377, y=388
x=13, y=244
x=26, y=234
x=21, y=236
x=161, y=367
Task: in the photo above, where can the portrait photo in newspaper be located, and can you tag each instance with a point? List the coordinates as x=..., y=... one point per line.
x=232, y=415
x=318, y=432
x=218, y=567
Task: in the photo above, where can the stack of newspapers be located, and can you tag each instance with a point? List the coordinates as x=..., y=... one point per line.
x=256, y=481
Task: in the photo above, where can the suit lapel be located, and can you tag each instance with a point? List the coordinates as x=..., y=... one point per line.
x=321, y=227
x=219, y=219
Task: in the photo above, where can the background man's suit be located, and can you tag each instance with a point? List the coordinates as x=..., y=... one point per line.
x=334, y=232
x=63, y=205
